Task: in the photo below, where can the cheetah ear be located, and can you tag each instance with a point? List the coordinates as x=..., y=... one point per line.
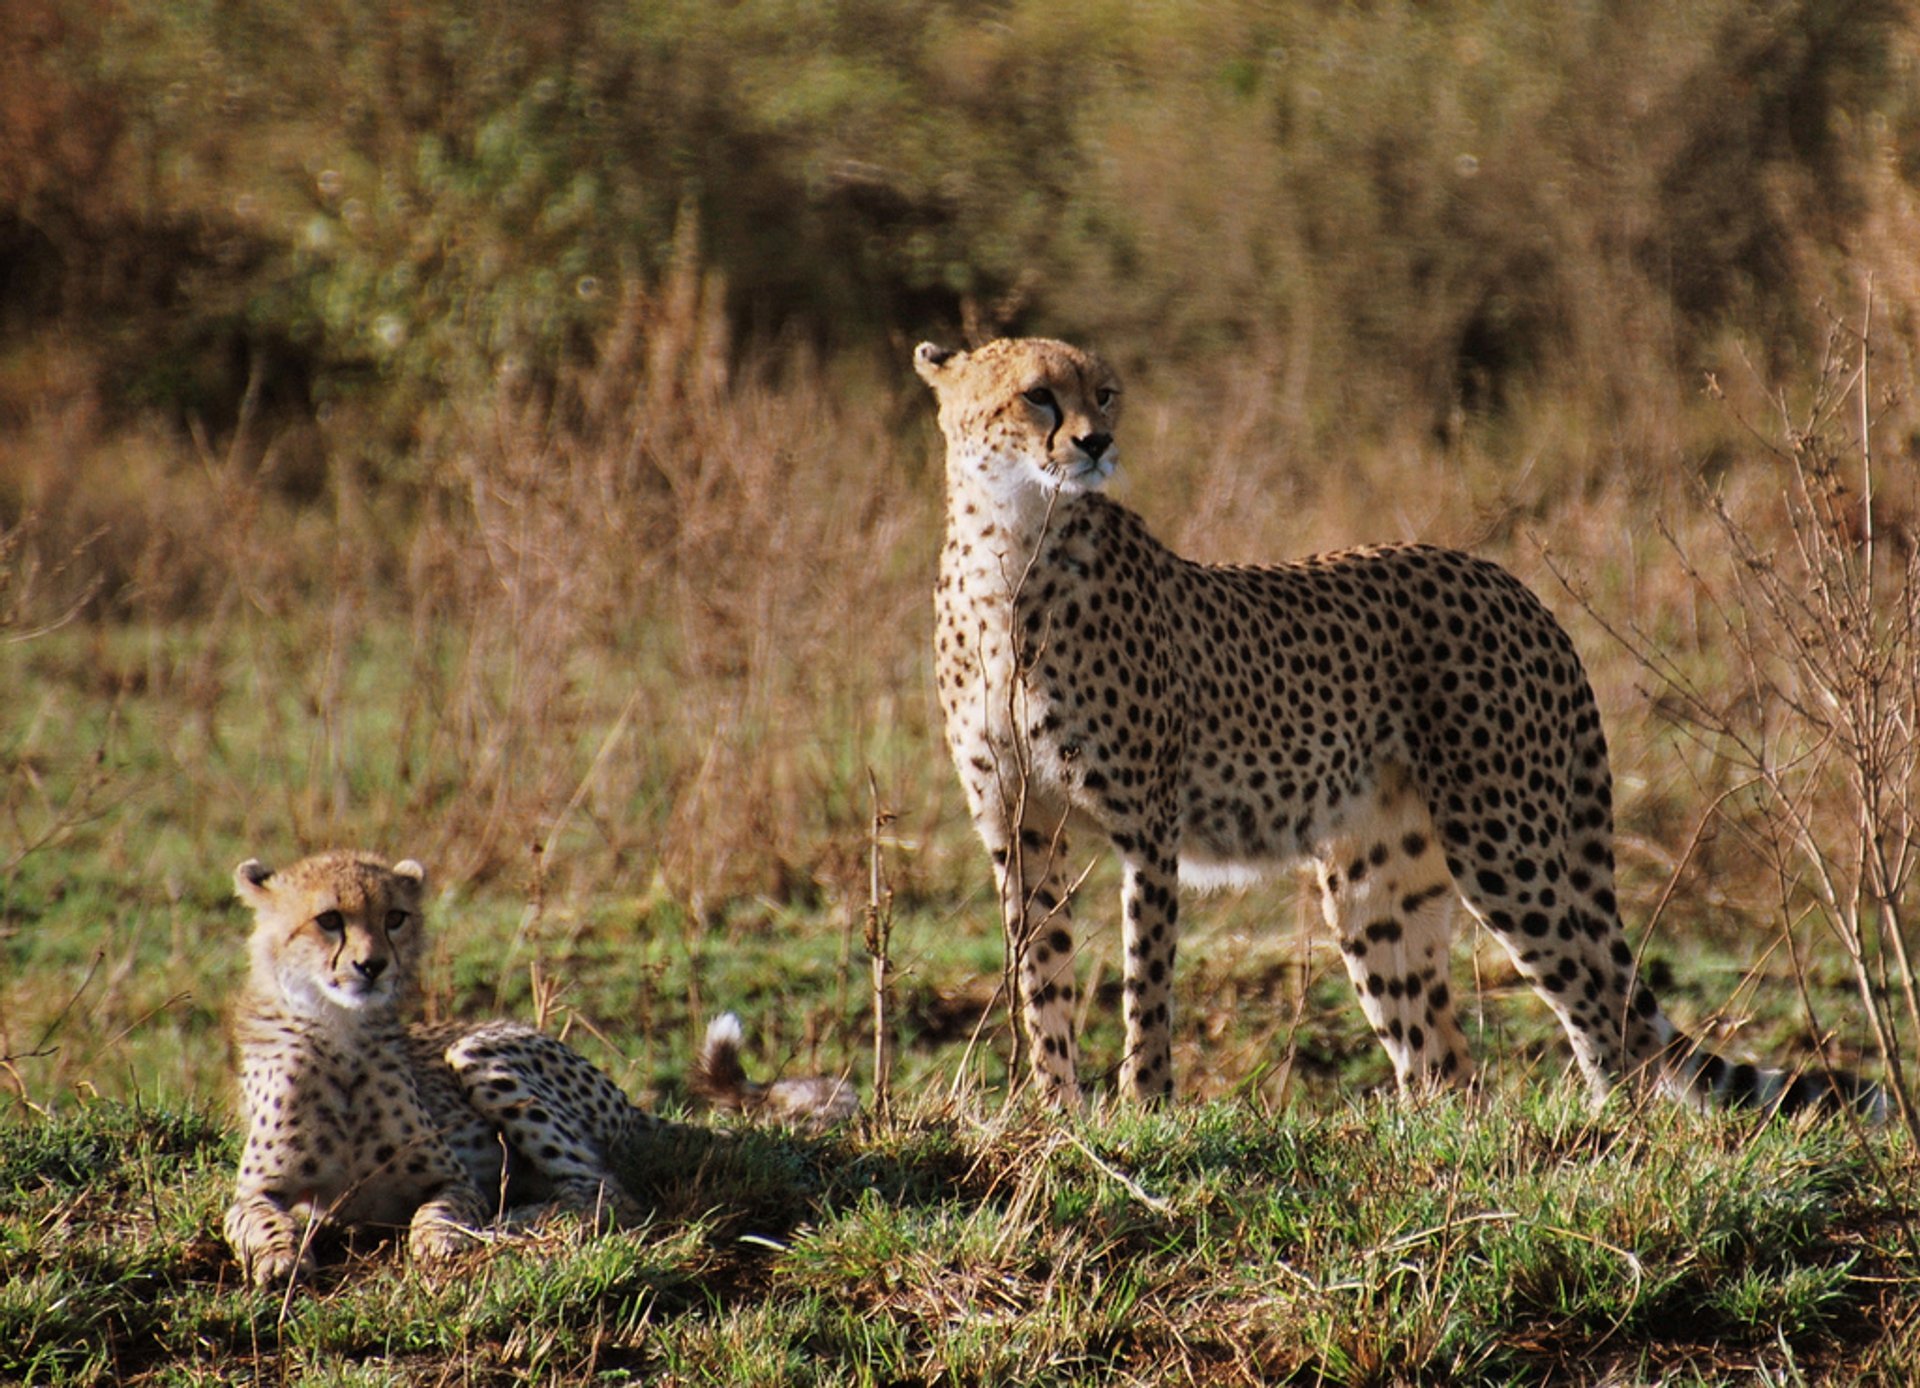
x=410, y=871
x=930, y=360
x=250, y=882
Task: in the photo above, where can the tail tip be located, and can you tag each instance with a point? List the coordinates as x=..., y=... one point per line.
x=716, y=1074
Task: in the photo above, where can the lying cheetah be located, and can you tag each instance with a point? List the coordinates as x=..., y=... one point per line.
x=1411, y=720
x=355, y=1117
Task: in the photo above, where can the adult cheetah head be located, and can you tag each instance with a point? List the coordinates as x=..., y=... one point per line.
x=339, y=930
x=1024, y=413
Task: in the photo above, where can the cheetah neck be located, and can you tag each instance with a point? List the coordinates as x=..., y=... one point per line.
x=995, y=535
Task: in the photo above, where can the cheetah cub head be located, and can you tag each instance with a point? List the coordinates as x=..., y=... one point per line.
x=337, y=931
x=1025, y=413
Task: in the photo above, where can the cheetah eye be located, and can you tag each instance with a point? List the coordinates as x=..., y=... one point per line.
x=1105, y=396
x=1040, y=398
x=331, y=921
x=395, y=920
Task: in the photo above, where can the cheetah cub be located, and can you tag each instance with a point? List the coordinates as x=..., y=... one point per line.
x=355, y=1116
x=1410, y=720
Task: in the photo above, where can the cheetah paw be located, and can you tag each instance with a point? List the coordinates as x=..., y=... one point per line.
x=436, y=1240
x=275, y=1265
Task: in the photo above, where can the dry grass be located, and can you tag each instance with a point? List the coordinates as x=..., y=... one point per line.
x=626, y=648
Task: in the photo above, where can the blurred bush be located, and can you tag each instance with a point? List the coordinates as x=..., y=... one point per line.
x=311, y=241
x=1416, y=206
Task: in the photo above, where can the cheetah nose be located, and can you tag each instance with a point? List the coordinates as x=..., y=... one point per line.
x=370, y=969
x=1093, y=445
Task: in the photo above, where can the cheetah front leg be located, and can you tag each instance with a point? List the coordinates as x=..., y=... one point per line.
x=415, y=1160
x=1150, y=908
x=1036, y=915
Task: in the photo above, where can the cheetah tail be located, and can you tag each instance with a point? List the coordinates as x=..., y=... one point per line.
x=1721, y=1083
x=813, y=1103
x=717, y=1075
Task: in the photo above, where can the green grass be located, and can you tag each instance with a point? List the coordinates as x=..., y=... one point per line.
x=1374, y=1243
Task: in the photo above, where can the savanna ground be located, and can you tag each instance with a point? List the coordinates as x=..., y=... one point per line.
x=488, y=439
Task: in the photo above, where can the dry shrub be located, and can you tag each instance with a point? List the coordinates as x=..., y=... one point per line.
x=650, y=614
x=678, y=593
x=1802, y=575
x=142, y=522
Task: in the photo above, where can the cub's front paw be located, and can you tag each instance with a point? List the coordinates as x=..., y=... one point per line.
x=267, y=1244
x=273, y=1267
x=435, y=1238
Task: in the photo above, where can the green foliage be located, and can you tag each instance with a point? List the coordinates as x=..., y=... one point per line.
x=113, y=1151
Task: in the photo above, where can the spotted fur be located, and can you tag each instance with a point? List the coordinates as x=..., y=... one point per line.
x=1411, y=720
x=355, y=1117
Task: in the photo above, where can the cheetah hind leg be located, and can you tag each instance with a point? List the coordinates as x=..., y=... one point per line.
x=1387, y=894
x=558, y=1111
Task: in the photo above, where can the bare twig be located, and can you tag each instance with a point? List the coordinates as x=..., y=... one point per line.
x=879, y=938
x=1823, y=726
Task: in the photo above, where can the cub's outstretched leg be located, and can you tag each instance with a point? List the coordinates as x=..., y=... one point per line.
x=560, y=1114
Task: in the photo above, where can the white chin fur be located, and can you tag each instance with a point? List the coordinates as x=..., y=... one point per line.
x=1091, y=476
x=1012, y=479
x=305, y=997
x=353, y=999
x=1085, y=475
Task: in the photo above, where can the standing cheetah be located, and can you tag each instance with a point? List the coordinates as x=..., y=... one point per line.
x=355, y=1117
x=1411, y=720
